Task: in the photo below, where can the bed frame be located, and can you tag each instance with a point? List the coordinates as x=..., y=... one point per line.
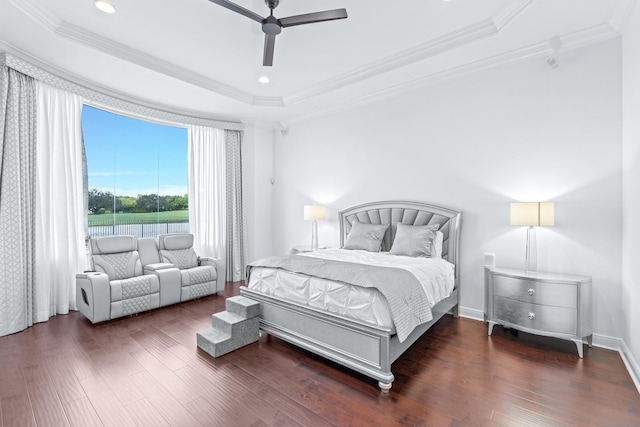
x=361, y=346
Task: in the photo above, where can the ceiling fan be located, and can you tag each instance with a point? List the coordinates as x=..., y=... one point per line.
x=272, y=26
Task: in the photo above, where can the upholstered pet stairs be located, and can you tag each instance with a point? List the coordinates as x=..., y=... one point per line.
x=231, y=329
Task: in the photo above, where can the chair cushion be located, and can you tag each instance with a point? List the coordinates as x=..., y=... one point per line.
x=118, y=266
x=113, y=244
x=134, y=287
x=198, y=275
x=148, y=250
x=172, y=242
x=181, y=258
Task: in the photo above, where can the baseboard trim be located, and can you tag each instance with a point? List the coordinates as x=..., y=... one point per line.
x=599, y=340
x=471, y=313
x=631, y=364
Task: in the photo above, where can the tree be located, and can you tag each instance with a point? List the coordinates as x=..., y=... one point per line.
x=101, y=200
x=173, y=203
x=147, y=203
x=128, y=203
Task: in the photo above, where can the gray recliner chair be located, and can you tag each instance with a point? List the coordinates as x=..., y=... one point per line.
x=200, y=276
x=132, y=275
x=117, y=287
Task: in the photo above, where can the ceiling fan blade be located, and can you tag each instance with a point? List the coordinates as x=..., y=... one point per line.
x=309, y=18
x=239, y=9
x=269, y=44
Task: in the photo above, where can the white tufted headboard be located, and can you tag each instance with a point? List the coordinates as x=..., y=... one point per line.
x=406, y=212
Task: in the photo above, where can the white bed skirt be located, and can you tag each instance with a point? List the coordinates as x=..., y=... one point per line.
x=366, y=305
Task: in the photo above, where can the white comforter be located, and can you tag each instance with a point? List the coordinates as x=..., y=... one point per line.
x=363, y=304
x=435, y=274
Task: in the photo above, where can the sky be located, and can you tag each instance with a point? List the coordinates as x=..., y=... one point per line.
x=146, y=157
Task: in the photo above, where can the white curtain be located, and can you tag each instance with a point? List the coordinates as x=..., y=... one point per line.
x=18, y=122
x=60, y=233
x=205, y=168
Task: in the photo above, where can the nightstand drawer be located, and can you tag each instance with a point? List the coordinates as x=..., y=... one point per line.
x=535, y=292
x=545, y=318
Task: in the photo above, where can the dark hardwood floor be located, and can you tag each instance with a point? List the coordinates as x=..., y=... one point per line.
x=147, y=370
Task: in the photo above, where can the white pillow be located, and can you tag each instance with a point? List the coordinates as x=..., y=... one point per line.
x=437, y=245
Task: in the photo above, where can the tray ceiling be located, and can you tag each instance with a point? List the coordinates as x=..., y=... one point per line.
x=195, y=56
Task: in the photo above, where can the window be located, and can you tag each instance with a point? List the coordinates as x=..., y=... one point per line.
x=137, y=175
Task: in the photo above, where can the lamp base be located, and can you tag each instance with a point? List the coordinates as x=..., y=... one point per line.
x=314, y=235
x=531, y=257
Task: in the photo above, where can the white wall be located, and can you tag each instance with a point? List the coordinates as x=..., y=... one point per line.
x=631, y=187
x=258, y=164
x=522, y=132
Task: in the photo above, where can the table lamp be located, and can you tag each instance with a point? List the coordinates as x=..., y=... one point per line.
x=314, y=213
x=532, y=214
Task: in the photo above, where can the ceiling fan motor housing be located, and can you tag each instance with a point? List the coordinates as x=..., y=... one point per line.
x=271, y=26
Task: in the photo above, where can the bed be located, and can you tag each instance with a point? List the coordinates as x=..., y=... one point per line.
x=368, y=344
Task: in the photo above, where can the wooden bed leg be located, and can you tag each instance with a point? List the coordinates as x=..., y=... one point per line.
x=384, y=387
x=455, y=311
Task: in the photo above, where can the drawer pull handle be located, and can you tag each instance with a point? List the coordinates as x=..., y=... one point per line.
x=531, y=316
x=531, y=291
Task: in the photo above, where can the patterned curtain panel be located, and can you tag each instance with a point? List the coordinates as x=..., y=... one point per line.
x=18, y=124
x=205, y=170
x=236, y=245
x=60, y=204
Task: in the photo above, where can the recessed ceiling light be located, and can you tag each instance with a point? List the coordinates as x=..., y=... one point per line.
x=263, y=79
x=105, y=6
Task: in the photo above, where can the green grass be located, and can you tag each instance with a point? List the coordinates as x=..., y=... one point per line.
x=147, y=217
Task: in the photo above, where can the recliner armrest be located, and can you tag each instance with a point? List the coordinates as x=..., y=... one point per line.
x=93, y=296
x=220, y=267
x=149, y=268
x=170, y=282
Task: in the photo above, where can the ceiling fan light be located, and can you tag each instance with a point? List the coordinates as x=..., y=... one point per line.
x=105, y=6
x=263, y=79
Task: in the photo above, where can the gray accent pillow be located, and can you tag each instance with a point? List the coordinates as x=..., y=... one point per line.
x=415, y=240
x=367, y=237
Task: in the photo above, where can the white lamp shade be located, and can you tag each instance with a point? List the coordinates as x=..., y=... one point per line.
x=532, y=214
x=315, y=212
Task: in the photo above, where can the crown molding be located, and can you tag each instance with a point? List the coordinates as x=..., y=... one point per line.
x=101, y=97
x=484, y=28
x=142, y=59
x=510, y=11
x=620, y=13
x=574, y=40
x=468, y=34
x=37, y=13
x=397, y=60
x=42, y=16
x=268, y=101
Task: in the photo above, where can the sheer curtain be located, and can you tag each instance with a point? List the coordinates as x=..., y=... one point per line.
x=205, y=169
x=235, y=222
x=60, y=233
x=18, y=123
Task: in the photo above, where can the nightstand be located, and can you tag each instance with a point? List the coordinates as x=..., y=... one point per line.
x=549, y=304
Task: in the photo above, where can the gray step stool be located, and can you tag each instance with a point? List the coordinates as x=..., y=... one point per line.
x=232, y=329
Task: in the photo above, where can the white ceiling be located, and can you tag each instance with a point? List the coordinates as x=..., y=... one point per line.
x=196, y=57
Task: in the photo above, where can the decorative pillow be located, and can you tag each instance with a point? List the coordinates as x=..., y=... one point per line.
x=415, y=240
x=366, y=237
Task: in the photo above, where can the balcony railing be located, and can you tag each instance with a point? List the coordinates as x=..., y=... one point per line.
x=138, y=228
